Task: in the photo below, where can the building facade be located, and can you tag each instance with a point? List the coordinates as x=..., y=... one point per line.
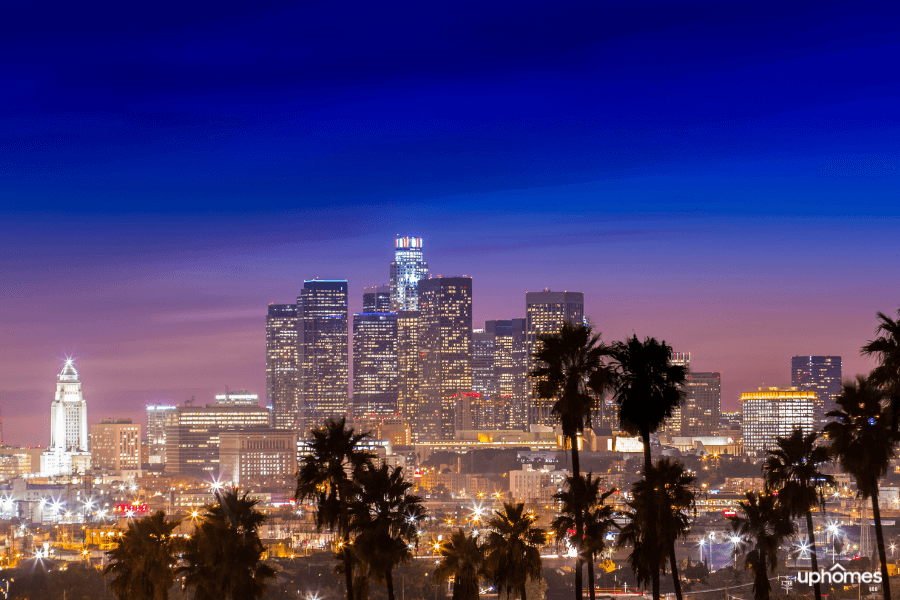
x=375, y=390
x=545, y=313
x=773, y=412
x=377, y=299
x=116, y=446
x=701, y=411
x=257, y=456
x=281, y=365
x=408, y=268
x=67, y=452
x=445, y=342
x=322, y=350
x=511, y=369
x=159, y=416
x=820, y=374
x=408, y=365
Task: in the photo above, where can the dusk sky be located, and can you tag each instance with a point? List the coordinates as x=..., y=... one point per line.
x=721, y=175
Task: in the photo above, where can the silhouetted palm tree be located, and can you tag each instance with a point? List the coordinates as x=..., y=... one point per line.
x=462, y=559
x=762, y=526
x=386, y=518
x=326, y=478
x=862, y=440
x=571, y=369
x=793, y=471
x=223, y=557
x=582, y=495
x=660, y=505
x=886, y=348
x=142, y=562
x=513, y=549
x=648, y=388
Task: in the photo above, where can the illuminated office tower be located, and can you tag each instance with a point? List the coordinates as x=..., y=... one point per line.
x=68, y=449
x=375, y=363
x=445, y=340
x=377, y=299
x=116, y=446
x=408, y=268
x=281, y=365
x=408, y=365
x=484, y=381
x=510, y=369
x=774, y=412
x=672, y=425
x=821, y=374
x=545, y=313
x=322, y=350
x=159, y=416
x=700, y=413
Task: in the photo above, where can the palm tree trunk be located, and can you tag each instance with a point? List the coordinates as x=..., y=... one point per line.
x=761, y=585
x=879, y=537
x=348, y=569
x=645, y=437
x=579, y=523
x=812, y=543
x=590, y=564
x=655, y=584
x=674, y=562
x=648, y=462
x=389, y=580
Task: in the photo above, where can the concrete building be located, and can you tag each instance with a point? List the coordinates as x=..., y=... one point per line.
x=281, y=365
x=702, y=407
x=159, y=416
x=68, y=450
x=530, y=485
x=257, y=456
x=773, y=412
x=116, y=447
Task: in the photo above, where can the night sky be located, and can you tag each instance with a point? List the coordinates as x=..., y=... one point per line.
x=721, y=175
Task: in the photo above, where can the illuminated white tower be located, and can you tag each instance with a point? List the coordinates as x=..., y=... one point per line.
x=68, y=450
x=409, y=267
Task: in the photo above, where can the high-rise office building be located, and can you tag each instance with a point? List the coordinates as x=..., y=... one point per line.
x=821, y=374
x=116, y=446
x=377, y=299
x=281, y=365
x=68, y=449
x=484, y=381
x=375, y=363
x=159, y=416
x=408, y=361
x=774, y=412
x=257, y=456
x=702, y=406
x=672, y=425
x=408, y=268
x=545, y=313
x=322, y=353
x=445, y=340
x=510, y=369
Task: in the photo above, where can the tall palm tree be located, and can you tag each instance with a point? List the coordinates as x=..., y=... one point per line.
x=886, y=348
x=582, y=497
x=462, y=558
x=659, y=515
x=648, y=388
x=571, y=369
x=386, y=518
x=513, y=549
x=762, y=526
x=793, y=470
x=326, y=478
x=223, y=557
x=862, y=440
x=141, y=563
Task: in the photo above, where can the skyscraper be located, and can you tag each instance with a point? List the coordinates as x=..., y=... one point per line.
x=700, y=413
x=445, y=340
x=545, y=313
x=116, y=446
x=68, y=449
x=672, y=425
x=322, y=353
x=159, y=416
x=375, y=363
x=281, y=365
x=510, y=369
x=408, y=361
x=408, y=268
x=821, y=374
x=774, y=412
x=377, y=299
x=484, y=381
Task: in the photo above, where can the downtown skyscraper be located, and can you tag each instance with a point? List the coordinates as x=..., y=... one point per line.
x=545, y=313
x=408, y=268
x=701, y=411
x=445, y=342
x=820, y=374
x=281, y=365
x=322, y=352
x=375, y=363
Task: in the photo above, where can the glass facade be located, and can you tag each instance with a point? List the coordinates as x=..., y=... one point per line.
x=821, y=374
x=408, y=365
x=377, y=299
x=700, y=413
x=775, y=412
x=281, y=365
x=408, y=268
x=192, y=441
x=375, y=363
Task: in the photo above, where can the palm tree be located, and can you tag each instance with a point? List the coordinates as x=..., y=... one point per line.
x=886, y=347
x=141, y=563
x=582, y=497
x=762, y=526
x=660, y=505
x=862, y=439
x=462, y=559
x=386, y=517
x=326, y=478
x=571, y=368
x=648, y=388
x=223, y=557
x=513, y=549
x=793, y=471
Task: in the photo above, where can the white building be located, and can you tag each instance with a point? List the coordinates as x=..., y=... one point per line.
x=68, y=449
x=529, y=485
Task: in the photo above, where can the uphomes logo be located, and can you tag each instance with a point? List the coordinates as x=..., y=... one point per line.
x=838, y=574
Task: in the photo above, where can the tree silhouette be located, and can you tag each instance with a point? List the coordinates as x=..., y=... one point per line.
x=762, y=526
x=462, y=559
x=886, y=349
x=141, y=563
x=513, y=549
